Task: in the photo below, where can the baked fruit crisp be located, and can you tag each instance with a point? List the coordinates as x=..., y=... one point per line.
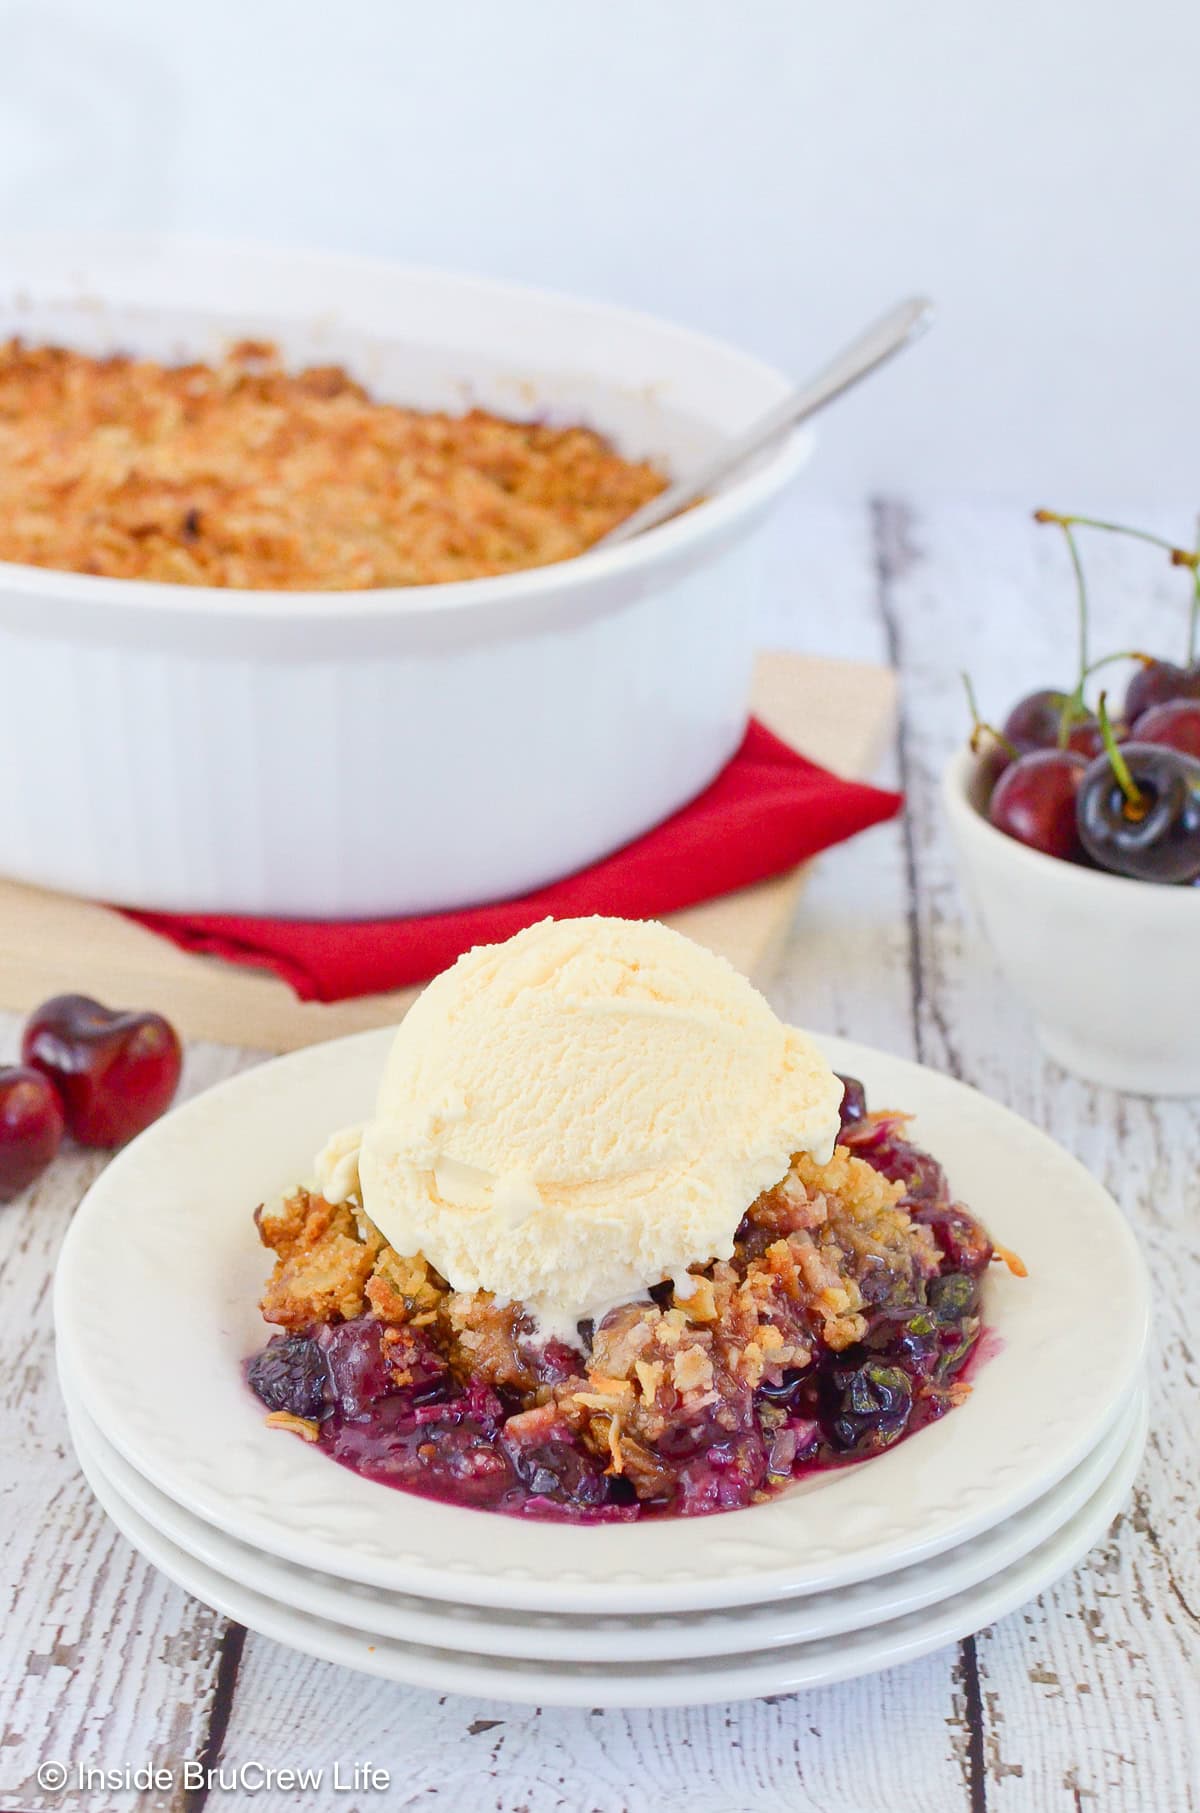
x=845, y=1320
x=245, y=474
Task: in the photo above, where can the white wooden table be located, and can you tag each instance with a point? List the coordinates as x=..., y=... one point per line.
x=1088, y=1699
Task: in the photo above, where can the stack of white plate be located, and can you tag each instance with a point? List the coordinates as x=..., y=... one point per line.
x=850, y=1571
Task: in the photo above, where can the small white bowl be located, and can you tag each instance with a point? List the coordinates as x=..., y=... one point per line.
x=1110, y=968
x=346, y=755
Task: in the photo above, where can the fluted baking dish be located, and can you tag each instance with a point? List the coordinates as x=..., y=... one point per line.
x=391, y=751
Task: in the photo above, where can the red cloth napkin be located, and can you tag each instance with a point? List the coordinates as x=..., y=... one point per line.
x=767, y=810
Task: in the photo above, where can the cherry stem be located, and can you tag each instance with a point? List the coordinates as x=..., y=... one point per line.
x=1135, y=806
x=1194, y=612
x=1180, y=557
x=1065, y=524
x=1110, y=528
x=1122, y=654
x=980, y=729
x=1185, y=557
x=1075, y=707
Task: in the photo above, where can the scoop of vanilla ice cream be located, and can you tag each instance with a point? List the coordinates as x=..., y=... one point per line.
x=582, y=1112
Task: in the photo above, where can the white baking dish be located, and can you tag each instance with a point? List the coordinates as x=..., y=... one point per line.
x=396, y=751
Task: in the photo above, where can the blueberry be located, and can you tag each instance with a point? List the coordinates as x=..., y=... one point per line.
x=854, y=1100
x=959, y=1339
x=558, y=1470
x=870, y=1405
x=953, y=1296
x=909, y=1341
x=290, y=1374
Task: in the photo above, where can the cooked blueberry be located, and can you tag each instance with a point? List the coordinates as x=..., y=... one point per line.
x=854, y=1100
x=958, y=1338
x=291, y=1374
x=953, y=1296
x=620, y=1490
x=871, y=1405
x=559, y=1470
x=910, y=1341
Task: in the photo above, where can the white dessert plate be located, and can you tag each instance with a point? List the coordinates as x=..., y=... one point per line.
x=544, y=1636
x=693, y=1682
x=155, y=1309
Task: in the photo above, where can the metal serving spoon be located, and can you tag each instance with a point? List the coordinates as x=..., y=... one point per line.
x=880, y=342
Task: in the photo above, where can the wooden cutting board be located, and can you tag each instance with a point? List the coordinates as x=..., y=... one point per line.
x=838, y=712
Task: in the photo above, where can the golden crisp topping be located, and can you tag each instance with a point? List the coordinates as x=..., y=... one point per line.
x=812, y=1256
x=324, y=1261
x=401, y=1290
x=701, y=1305
x=691, y=1370
x=245, y=474
x=488, y=1341
x=857, y=1186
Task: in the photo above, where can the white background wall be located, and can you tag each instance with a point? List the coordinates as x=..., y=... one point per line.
x=773, y=170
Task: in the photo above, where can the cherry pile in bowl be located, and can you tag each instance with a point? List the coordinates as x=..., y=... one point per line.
x=1117, y=790
x=98, y=1075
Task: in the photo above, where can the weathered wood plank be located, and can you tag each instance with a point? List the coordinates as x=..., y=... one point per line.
x=1091, y=1697
x=889, y=1742
x=102, y=1661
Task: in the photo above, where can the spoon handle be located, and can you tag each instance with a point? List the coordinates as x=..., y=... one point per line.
x=878, y=343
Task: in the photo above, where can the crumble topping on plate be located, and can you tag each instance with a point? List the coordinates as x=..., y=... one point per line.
x=842, y=1321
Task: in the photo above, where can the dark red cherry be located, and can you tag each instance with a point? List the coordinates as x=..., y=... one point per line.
x=1173, y=725
x=31, y=1127
x=1156, y=684
x=1034, y=721
x=1154, y=837
x=1034, y=801
x=1085, y=736
x=115, y=1072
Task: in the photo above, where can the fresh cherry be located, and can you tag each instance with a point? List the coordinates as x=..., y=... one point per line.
x=1158, y=683
x=1084, y=737
x=1173, y=725
x=31, y=1127
x=1034, y=801
x=1143, y=822
x=1033, y=722
x=115, y=1072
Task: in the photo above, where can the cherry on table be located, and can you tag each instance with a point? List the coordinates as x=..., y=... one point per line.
x=31, y=1127
x=1173, y=725
x=114, y=1071
x=1155, y=835
x=1157, y=683
x=1034, y=801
